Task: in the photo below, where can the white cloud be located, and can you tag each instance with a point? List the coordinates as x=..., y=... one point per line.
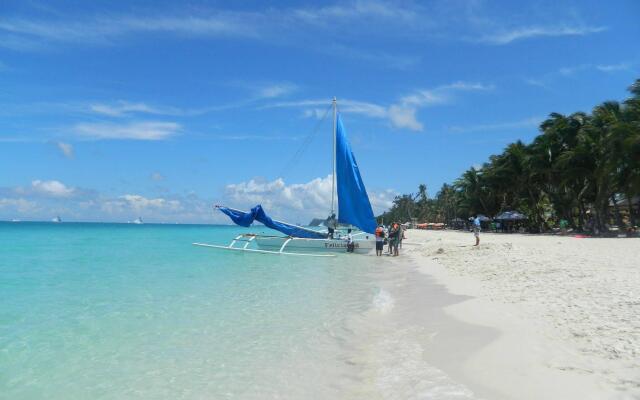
x=149, y=130
x=614, y=67
x=122, y=108
x=138, y=202
x=382, y=201
x=404, y=117
x=313, y=196
x=530, y=122
x=508, y=36
x=105, y=30
x=413, y=21
x=442, y=94
x=44, y=199
x=259, y=92
x=402, y=114
x=318, y=108
x=363, y=108
x=276, y=90
x=157, y=176
x=547, y=79
x=52, y=188
x=66, y=149
x=137, y=205
x=377, y=59
x=297, y=202
x=18, y=205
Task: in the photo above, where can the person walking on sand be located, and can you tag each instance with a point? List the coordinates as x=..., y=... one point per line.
x=476, y=229
x=390, y=238
x=379, y=240
x=394, y=238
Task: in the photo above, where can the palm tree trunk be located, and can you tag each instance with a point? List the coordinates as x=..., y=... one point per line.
x=616, y=210
x=632, y=215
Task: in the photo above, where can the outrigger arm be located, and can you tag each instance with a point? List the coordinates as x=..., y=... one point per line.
x=240, y=238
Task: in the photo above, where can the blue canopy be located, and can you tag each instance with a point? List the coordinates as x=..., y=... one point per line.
x=353, y=202
x=511, y=216
x=257, y=214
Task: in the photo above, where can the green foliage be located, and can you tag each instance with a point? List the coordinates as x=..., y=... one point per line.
x=583, y=168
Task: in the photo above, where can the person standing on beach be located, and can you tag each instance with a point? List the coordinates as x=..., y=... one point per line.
x=379, y=240
x=394, y=238
x=331, y=225
x=476, y=229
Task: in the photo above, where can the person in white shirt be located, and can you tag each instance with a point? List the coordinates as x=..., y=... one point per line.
x=350, y=244
x=476, y=229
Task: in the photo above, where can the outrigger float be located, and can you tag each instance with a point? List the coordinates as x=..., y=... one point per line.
x=354, y=211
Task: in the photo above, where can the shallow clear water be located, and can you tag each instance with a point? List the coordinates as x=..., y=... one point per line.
x=110, y=310
x=115, y=311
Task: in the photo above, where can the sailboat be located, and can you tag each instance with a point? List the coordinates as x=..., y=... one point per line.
x=353, y=210
x=56, y=219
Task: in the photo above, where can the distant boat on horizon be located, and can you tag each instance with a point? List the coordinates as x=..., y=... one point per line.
x=138, y=221
x=56, y=219
x=15, y=220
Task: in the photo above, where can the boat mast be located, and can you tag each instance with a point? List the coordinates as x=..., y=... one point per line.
x=333, y=181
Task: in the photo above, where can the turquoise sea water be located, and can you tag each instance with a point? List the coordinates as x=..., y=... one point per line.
x=116, y=311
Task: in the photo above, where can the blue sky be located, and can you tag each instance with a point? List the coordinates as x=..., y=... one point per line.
x=114, y=110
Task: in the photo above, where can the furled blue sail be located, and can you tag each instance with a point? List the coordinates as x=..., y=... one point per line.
x=353, y=202
x=257, y=214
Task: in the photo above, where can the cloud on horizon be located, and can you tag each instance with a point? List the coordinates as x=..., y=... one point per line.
x=296, y=202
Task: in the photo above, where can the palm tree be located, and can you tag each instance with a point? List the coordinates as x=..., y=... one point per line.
x=577, y=167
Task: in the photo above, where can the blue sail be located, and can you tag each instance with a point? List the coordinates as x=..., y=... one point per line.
x=353, y=202
x=257, y=214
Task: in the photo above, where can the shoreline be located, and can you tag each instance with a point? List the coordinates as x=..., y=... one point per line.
x=406, y=346
x=531, y=356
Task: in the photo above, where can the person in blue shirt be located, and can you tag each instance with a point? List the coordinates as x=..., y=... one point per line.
x=476, y=229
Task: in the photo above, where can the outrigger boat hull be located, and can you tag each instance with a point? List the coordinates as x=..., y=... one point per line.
x=290, y=246
x=361, y=246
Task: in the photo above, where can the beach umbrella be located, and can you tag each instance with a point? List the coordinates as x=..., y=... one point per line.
x=511, y=216
x=483, y=218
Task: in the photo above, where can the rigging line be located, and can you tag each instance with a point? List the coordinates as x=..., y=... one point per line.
x=303, y=147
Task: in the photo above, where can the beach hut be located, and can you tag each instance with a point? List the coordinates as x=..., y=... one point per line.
x=457, y=223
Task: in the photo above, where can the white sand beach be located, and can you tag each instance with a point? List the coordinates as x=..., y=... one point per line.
x=561, y=314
